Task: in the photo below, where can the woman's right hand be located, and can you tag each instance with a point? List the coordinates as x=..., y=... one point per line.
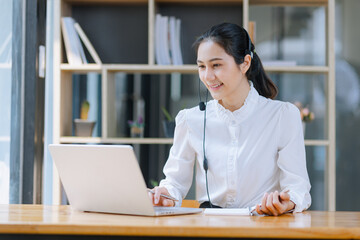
x=157, y=200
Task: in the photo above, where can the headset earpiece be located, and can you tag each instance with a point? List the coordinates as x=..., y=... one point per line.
x=248, y=51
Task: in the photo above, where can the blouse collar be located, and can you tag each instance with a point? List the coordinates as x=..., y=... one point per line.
x=242, y=113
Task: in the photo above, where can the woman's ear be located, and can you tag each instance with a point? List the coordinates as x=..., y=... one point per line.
x=244, y=67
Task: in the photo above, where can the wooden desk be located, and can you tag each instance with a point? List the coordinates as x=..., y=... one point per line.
x=56, y=222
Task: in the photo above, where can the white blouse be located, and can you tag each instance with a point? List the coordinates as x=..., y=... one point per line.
x=256, y=149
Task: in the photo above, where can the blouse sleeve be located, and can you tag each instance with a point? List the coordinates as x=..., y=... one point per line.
x=178, y=169
x=292, y=159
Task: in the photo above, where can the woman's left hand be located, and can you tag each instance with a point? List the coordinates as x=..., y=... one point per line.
x=275, y=204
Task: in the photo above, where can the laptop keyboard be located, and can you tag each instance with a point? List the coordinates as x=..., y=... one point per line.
x=173, y=210
x=167, y=210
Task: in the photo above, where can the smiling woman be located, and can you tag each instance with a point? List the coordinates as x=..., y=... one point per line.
x=247, y=148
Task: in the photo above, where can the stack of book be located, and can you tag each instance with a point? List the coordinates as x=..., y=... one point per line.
x=72, y=33
x=167, y=40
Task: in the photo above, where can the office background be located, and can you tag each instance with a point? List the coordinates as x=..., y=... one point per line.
x=279, y=31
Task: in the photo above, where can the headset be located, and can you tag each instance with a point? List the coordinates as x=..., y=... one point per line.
x=248, y=51
x=202, y=107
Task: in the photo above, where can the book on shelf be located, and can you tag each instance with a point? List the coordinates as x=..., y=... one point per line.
x=87, y=43
x=167, y=40
x=172, y=40
x=158, y=56
x=70, y=41
x=174, y=29
x=72, y=33
x=178, y=42
x=77, y=41
x=164, y=37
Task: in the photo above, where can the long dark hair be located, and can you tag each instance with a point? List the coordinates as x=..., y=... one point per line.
x=235, y=41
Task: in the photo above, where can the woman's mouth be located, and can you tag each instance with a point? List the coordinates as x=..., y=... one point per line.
x=215, y=86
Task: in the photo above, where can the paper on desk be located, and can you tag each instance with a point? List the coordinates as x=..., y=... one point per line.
x=227, y=211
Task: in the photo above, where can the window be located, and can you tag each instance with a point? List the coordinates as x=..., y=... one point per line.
x=5, y=97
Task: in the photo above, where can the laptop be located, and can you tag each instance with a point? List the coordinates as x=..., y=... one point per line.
x=106, y=178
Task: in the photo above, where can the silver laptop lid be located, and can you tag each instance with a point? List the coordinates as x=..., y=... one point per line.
x=102, y=178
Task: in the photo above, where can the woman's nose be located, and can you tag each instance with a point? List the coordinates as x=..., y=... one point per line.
x=209, y=74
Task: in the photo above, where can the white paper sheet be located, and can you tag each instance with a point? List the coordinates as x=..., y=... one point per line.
x=227, y=211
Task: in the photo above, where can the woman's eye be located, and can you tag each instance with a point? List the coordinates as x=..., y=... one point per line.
x=216, y=65
x=201, y=66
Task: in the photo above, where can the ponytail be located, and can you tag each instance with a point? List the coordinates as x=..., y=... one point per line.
x=262, y=83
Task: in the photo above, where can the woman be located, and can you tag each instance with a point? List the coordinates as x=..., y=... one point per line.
x=250, y=150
